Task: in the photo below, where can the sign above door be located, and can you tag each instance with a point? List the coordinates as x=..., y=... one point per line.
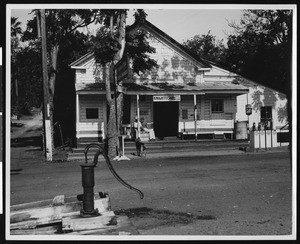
x=166, y=98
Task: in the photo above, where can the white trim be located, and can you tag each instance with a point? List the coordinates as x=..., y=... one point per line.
x=78, y=67
x=77, y=108
x=104, y=117
x=203, y=69
x=138, y=113
x=195, y=115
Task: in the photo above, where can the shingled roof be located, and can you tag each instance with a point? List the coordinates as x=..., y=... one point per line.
x=132, y=88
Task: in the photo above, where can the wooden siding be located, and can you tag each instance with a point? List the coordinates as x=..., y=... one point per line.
x=173, y=67
x=260, y=96
x=91, y=101
x=218, y=74
x=207, y=109
x=146, y=108
x=92, y=73
x=91, y=127
x=208, y=122
x=187, y=103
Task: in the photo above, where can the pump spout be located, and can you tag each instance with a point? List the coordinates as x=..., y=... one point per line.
x=107, y=160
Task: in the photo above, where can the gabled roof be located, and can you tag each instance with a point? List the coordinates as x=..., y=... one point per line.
x=82, y=60
x=245, y=81
x=152, y=28
x=77, y=64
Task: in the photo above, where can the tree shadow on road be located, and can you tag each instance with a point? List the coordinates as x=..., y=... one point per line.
x=147, y=218
x=34, y=141
x=15, y=171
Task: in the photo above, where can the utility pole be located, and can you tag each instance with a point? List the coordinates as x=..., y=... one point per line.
x=46, y=107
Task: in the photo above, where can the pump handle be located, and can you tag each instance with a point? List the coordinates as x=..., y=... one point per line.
x=109, y=165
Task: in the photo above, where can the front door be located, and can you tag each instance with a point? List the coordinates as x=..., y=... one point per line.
x=165, y=118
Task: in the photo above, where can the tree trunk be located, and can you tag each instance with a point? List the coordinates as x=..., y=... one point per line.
x=112, y=130
x=52, y=80
x=113, y=125
x=112, y=134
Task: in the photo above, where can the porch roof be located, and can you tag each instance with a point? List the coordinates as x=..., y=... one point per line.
x=168, y=88
x=186, y=88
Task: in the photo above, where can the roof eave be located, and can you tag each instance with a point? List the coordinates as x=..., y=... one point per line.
x=169, y=39
x=77, y=67
x=82, y=59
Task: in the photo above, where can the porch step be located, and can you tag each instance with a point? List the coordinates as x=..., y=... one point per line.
x=159, y=146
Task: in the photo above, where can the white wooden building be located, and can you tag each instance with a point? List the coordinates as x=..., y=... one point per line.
x=185, y=95
x=267, y=105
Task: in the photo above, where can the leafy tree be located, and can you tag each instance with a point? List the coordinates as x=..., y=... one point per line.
x=61, y=26
x=15, y=32
x=65, y=94
x=29, y=76
x=112, y=41
x=261, y=49
x=207, y=47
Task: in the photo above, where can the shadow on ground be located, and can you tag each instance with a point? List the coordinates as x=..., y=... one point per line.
x=15, y=171
x=35, y=141
x=146, y=218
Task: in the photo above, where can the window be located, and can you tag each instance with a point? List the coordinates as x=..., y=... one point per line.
x=92, y=113
x=184, y=114
x=217, y=106
x=265, y=114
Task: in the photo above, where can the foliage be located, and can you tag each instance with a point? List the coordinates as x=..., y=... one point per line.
x=105, y=46
x=112, y=41
x=137, y=48
x=62, y=32
x=207, y=47
x=261, y=49
x=61, y=24
x=15, y=31
x=73, y=44
x=28, y=75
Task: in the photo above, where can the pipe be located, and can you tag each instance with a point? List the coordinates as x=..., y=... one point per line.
x=109, y=165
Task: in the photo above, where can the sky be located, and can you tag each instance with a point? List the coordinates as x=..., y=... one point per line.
x=180, y=24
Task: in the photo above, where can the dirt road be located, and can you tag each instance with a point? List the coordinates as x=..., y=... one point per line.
x=246, y=194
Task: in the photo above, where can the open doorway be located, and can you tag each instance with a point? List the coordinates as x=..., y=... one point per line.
x=165, y=118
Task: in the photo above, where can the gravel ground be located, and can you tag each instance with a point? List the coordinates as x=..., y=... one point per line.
x=233, y=196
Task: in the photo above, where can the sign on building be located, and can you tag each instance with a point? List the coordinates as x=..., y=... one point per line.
x=166, y=98
x=248, y=109
x=122, y=68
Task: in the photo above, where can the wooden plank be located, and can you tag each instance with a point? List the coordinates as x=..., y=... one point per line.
x=43, y=203
x=77, y=223
x=44, y=213
x=51, y=214
x=48, y=230
x=34, y=223
x=123, y=227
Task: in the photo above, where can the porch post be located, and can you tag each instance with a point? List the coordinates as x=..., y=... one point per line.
x=138, y=112
x=77, y=114
x=195, y=115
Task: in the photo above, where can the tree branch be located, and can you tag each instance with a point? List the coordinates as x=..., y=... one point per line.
x=82, y=24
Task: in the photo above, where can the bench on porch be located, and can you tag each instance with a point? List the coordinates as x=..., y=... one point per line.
x=144, y=136
x=222, y=133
